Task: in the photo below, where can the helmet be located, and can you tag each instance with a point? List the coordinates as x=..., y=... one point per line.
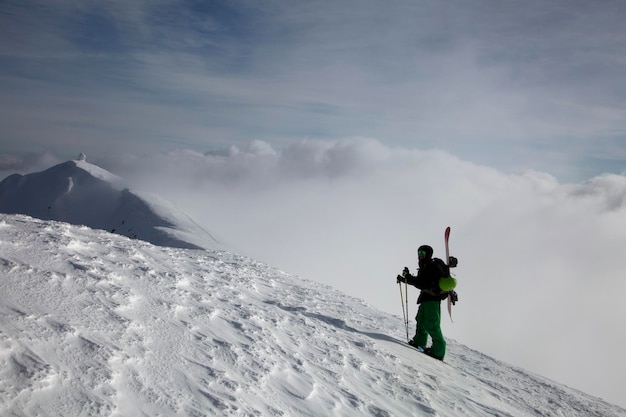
x=427, y=250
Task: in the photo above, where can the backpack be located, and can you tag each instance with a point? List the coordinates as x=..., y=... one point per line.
x=447, y=283
x=442, y=267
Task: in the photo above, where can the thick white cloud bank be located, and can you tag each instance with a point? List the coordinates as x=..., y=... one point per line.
x=540, y=262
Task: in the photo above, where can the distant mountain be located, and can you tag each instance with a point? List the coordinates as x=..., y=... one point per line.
x=81, y=193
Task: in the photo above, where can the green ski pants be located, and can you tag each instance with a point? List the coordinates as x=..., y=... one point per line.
x=429, y=323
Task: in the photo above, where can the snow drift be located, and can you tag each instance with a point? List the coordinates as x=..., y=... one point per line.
x=96, y=324
x=81, y=193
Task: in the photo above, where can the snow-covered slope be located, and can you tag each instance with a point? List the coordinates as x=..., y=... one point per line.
x=96, y=324
x=81, y=193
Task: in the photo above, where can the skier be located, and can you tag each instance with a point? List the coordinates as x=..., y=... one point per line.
x=429, y=311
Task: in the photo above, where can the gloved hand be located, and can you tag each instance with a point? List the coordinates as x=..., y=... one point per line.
x=400, y=279
x=405, y=272
x=453, y=262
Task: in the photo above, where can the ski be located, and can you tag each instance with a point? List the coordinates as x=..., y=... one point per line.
x=425, y=351
x=446, y=237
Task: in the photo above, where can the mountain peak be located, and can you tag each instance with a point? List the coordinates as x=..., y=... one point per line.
x=82, y=193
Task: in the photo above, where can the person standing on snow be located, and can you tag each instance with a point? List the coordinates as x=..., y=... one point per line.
x=429, y=311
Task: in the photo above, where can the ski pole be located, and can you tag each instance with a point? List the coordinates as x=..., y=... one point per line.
x=406, y=304
x=404, y=313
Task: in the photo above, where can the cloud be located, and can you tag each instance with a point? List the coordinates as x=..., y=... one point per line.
x=25, y=164
x=608, y=190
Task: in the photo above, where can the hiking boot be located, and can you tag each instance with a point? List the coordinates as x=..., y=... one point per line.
x=416, y=346
x=429, y=352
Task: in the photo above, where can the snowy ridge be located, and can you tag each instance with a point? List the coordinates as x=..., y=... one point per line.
x=97, y=172
x=96, y=324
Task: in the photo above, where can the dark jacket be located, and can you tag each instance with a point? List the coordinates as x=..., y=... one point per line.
x=427, y=280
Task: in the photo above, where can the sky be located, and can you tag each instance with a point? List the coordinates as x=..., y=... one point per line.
x=512, y=85
x=331, y=140
x=152, y=330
